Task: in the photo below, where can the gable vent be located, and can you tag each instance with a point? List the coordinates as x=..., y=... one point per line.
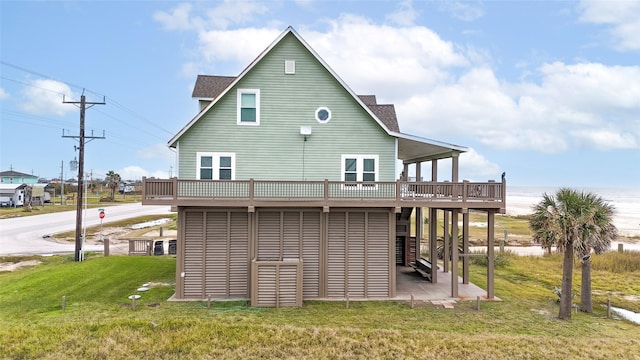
x=289, y=66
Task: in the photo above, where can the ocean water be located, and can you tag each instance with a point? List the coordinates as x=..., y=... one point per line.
x=521, y=199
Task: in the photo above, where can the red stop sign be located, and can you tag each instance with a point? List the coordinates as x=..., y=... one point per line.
x=101, y=214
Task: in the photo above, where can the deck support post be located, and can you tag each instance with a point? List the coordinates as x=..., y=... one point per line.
x=465, y=246
x=445, y=243
x=433, y=244
x=419, y=231
x=490, y=253
x=454, y=253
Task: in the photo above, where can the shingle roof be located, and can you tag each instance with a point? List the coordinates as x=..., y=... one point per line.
x=386, y=114
x=210, y=86
x=12, y=173
x=368, y=99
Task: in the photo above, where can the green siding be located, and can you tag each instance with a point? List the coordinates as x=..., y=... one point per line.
x=275, y=150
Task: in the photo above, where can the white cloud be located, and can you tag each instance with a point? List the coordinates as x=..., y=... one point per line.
x=405, y=15
x=623, y=17
x=157, y=151
x=221, y=16
x=465, y=11
x=447, y=91
x=44, y=97
x=178, y=19
x=417, y=59
x=551, y=115
x=241, y=45
x=3, y=94
x=475, y=167
x=607, y=139
x=235, y=12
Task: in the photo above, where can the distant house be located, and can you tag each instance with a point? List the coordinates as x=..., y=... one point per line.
x=39, y=194
x=126, y=188
x=12, y=195
x=15, y=177
x=287, y=188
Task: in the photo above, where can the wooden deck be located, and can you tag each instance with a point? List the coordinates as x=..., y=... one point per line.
x=251, y=193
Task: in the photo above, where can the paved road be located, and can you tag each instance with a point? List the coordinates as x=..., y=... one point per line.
x=24, y=235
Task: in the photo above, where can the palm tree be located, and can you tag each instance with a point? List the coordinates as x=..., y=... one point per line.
x=596, y=236
x=576, y=222
x=112, y=181
x=558, y=217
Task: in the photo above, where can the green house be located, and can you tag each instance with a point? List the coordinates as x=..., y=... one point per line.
x=289, y=187
x=16, y=177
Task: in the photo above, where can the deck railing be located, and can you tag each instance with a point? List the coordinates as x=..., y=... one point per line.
x=253, y=192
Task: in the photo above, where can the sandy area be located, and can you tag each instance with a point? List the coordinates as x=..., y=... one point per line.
x=15, y=266
x=628, y=226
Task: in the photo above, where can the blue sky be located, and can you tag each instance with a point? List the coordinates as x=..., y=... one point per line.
x=546, y=91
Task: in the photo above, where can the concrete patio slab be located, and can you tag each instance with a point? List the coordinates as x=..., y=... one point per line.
x=409, y=282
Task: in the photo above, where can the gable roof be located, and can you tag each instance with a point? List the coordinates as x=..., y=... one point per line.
x=215, y=87
x=12, y=173
x=13, y=187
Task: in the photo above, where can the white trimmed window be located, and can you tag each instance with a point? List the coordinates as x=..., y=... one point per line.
x=248, y=106
x=360, y=168
x=216, y=166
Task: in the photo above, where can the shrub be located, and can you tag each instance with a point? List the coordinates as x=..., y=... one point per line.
x=500, y=259
x=617, y=262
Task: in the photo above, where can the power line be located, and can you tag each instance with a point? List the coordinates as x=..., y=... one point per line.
x=41, y=75
x=111, y=100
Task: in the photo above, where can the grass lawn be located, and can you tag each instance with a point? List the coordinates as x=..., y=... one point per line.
x=99, y=322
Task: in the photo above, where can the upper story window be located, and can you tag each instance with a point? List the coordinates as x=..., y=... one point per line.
x=360, y=168
x=249, y=106
x=216, y=166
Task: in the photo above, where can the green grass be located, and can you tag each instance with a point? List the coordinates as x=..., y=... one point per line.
x=98, y=322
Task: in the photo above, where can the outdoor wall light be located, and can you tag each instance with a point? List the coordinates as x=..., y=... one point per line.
x=305, y=131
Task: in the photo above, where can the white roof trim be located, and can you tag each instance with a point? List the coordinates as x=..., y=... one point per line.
x=444, y=145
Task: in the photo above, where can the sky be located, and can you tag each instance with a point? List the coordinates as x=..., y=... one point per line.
x=546, y=91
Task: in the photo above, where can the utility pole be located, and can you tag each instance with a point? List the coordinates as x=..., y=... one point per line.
x=61, y=182
x=83, y=105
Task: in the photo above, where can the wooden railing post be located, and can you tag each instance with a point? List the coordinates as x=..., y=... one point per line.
x=465, y=189
x=144, y=187
x=326, y=192
x=251, y=191
x=504, y=191
x=492, y=190
x=175, y=188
